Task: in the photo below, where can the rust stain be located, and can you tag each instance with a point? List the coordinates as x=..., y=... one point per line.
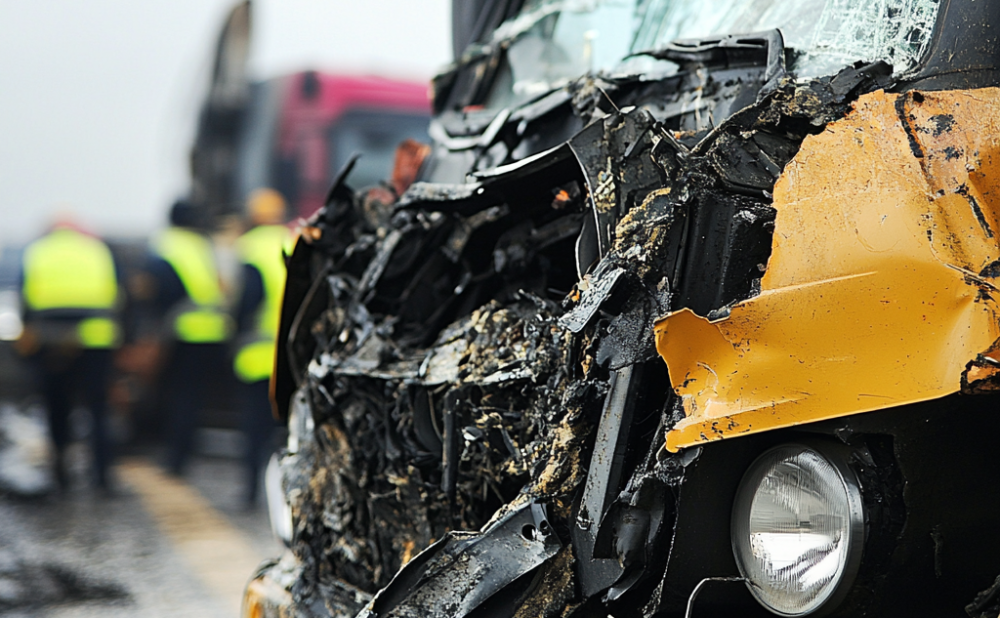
x=982, y=374
x=409, y=545
x=880, y=286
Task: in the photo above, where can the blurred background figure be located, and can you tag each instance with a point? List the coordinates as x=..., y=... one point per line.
x=187, y=300
x=291, y=133
x=257, y=312
x=211, y=100
x=70, y=299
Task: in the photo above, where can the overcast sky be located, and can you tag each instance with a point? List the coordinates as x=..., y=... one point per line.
x=98, y=98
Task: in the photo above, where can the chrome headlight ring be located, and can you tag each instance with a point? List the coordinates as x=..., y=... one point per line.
x=798, y=528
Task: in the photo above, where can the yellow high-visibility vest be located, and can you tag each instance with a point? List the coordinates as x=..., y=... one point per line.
x=190, y=255
x=67, y=269
x=262, y=248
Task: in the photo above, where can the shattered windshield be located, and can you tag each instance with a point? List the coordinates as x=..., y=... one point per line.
x=825, y=35
x=554, y=41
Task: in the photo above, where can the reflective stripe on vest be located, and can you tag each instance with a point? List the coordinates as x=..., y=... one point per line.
x=190, y=255
x=262, y=248
x=98, y=333
x=70, y=270
x=254, y=361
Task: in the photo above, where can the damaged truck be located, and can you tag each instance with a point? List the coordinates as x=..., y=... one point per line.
x=689, y=309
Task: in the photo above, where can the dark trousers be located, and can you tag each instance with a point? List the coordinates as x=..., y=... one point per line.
x=63, y=375
x=190, y=372
x=259, y=429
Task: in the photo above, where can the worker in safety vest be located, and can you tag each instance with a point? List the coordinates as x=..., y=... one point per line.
x=70, y=301
x=188, y=301
x=261, y=252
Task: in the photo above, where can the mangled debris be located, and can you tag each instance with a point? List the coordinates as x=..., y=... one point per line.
x=463, y=350
x=510, y=373
x=986, y=603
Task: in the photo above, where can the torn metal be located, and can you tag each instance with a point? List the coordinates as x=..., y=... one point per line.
x=884, y=235
x=461, y=573
x=460, y=365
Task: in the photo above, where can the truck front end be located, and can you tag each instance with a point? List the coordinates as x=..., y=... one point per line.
x=691, y=309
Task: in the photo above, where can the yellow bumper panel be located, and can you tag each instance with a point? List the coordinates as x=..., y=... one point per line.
x=880, y=286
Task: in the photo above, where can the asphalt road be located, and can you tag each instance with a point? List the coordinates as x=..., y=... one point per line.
x=160, y=547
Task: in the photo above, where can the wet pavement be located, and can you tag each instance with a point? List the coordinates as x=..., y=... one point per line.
x=159, y=547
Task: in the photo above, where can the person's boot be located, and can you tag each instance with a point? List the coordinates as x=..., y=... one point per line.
x=103, y=482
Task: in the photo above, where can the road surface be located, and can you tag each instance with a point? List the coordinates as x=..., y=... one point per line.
x=160, y=547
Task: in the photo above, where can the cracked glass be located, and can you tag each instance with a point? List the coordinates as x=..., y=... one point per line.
x=824, y=35
x=554, y=41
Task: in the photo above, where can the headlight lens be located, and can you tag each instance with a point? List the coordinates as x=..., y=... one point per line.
x=300, y=422
x=798, y=529
x=278, y=510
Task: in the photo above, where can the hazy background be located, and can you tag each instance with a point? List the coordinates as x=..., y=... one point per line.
x=99, y=99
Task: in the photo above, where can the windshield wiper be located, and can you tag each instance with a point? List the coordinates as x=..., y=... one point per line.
x=756, y=49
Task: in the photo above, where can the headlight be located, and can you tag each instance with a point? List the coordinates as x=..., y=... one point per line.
x=798, y=529
x=278, y=510
x=300, y=421
x=300, y=435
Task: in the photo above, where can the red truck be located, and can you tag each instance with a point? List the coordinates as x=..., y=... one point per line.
x=303, y=128
x=294, y=132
